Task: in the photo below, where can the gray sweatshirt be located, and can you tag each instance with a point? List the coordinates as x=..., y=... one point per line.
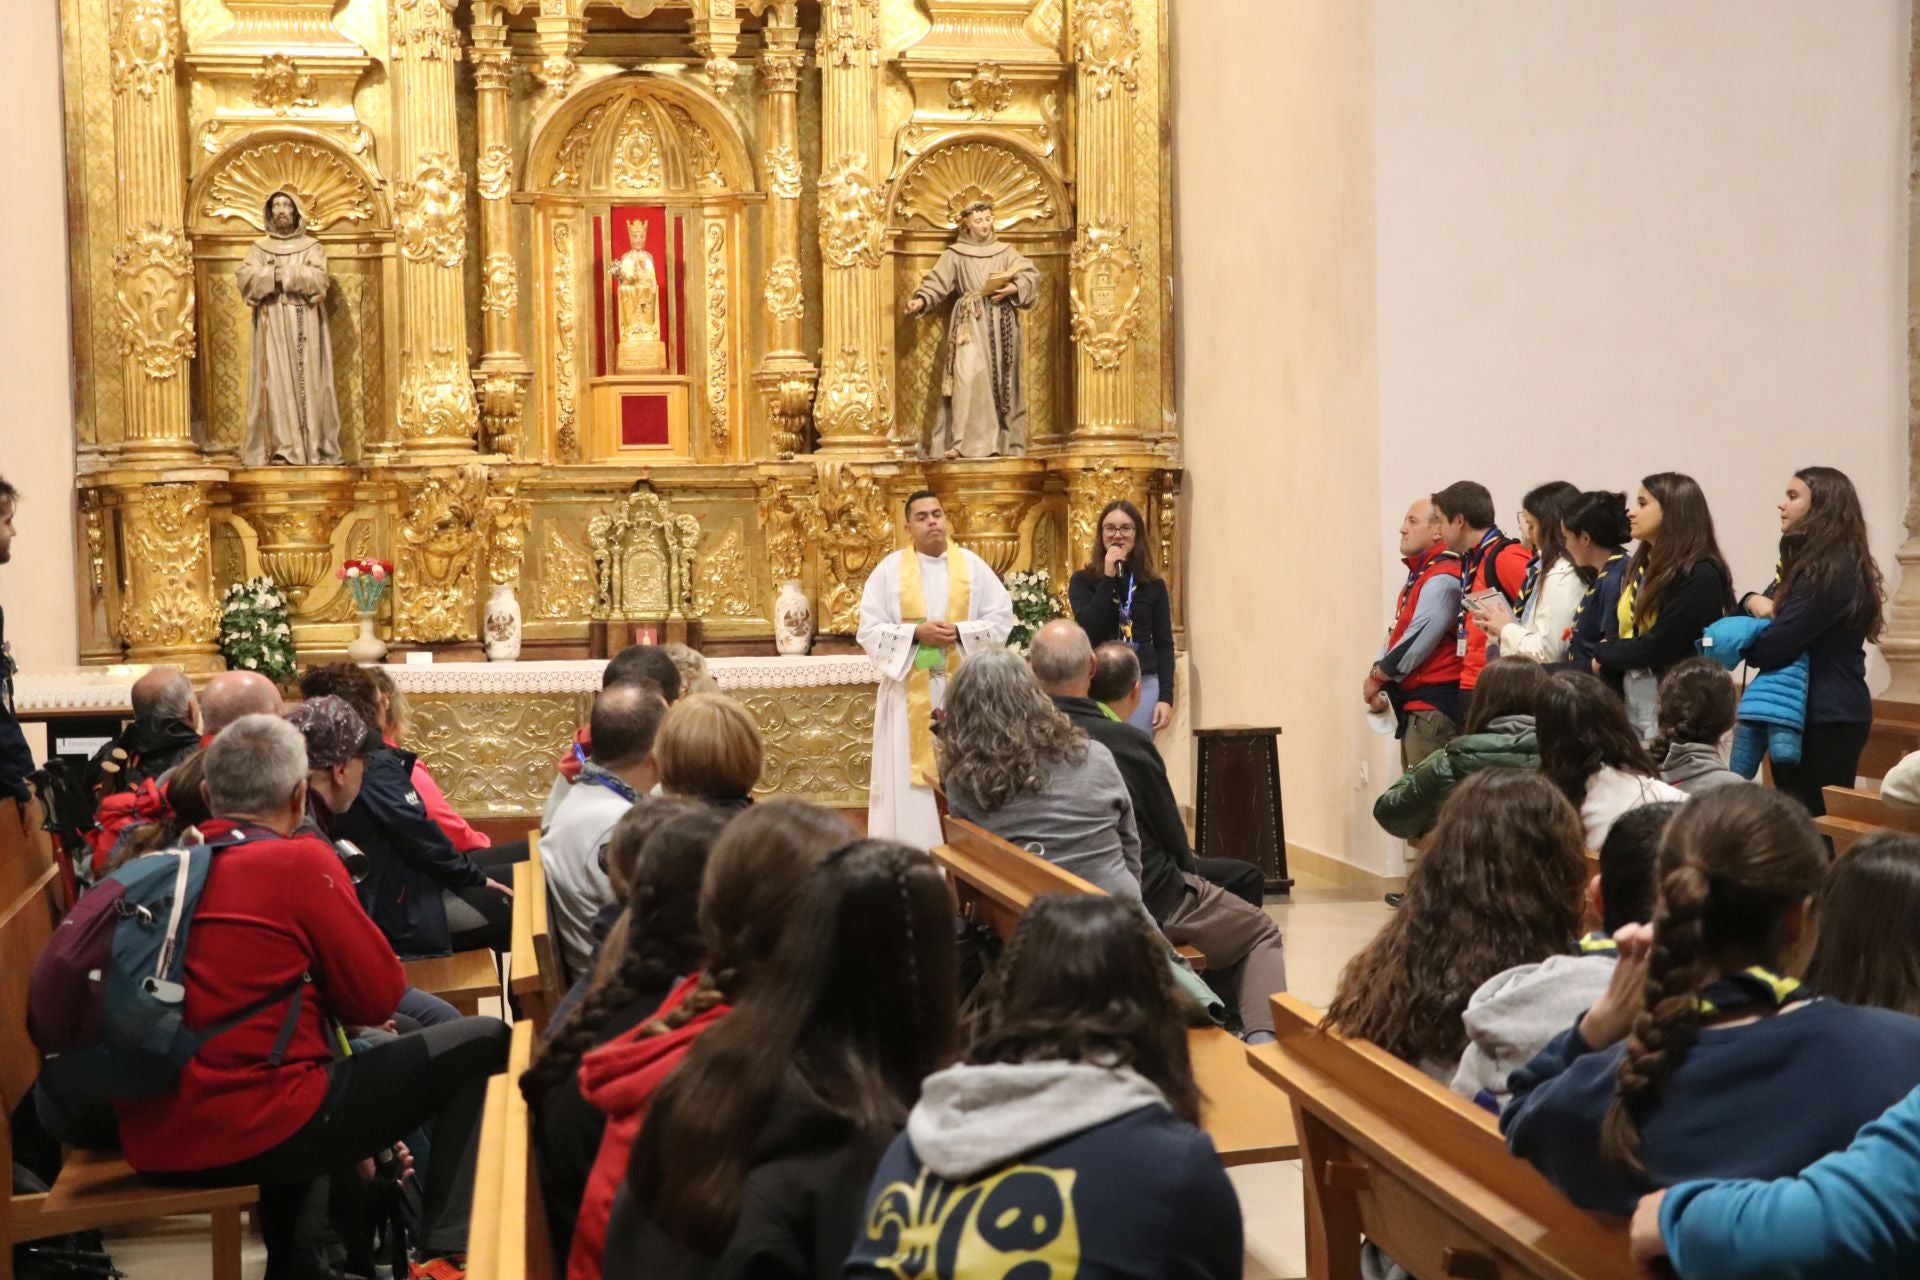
x=1697, y=767
x=1513, y=1015
x=1081, y=821
x=973, y=1118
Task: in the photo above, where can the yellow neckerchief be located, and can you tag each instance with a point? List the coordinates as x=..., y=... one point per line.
x=913, y=608
x=1624, y=613
x=1750, y=988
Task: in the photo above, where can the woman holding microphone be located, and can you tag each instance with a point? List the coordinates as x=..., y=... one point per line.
x=1118, y=596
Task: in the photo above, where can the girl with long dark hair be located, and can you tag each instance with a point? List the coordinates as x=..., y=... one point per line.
x=1499, y=885
x=757, y=1154
x=1590, y=751
x=1826, y=603
x=1595, y=532
x=1075, y=1106
x=1705, y=1057
x=1119, y=596
x=1676, y=584
x=1551, y=594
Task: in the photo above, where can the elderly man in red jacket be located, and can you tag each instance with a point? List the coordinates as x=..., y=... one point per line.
x=268, y=1101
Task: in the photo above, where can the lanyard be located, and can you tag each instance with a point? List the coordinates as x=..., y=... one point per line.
x=1126, y=613
x=600, y=777
x=1469, y=563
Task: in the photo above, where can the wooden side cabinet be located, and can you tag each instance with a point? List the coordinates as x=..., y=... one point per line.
x=1237, y=810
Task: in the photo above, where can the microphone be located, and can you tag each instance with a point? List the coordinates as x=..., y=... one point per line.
x=1114, y=569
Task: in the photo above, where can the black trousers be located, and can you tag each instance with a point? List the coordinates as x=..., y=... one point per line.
x=479, y=917
x=1829, y=757
x=1237, y=876
x=437, y=1075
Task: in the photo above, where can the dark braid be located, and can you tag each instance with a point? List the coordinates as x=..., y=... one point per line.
x=1669, y=1019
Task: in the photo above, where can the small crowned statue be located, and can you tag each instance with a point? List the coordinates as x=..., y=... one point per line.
x=291, y=414
x=640, y=349
x=984, y=412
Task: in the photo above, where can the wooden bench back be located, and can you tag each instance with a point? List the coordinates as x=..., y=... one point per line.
x=1895, y=732
x=996, y=881
x=1854, y=814
x=25, y=849
x=24, y=930
x=536, y=978
x=1393, y=1156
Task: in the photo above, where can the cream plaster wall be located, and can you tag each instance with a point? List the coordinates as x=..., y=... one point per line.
x=36, y=404
x=1515, y=242
x=1274, y=218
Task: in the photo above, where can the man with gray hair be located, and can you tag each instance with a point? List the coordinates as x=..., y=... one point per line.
x=233, y=694
x=281, y=949
x=164, y=732
x=1240, y=941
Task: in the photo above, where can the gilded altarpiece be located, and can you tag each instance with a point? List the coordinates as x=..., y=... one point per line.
x=480, y=173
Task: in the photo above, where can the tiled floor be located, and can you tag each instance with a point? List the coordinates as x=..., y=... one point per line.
x=1323, y=924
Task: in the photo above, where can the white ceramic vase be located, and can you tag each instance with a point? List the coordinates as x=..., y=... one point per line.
x=501, y=625
x=792, y=620
x=366, y=648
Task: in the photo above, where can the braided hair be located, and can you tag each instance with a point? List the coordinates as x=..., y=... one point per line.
x=1734, y=863
x=659, y=945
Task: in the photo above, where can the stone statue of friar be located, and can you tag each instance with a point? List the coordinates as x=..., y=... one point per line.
x=984, y=410
x=291, y=413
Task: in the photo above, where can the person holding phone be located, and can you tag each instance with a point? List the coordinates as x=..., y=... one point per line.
x=1119, y=596
x=1489, y=561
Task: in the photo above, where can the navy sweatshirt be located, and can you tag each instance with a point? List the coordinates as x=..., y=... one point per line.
x=1759, y=1100
x=1097, y=600
x=1815, y=623
x=1689, y=603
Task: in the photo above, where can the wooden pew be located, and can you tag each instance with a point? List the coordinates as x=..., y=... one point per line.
x=534, y=967
x=460, y=979
x=1895, y=732
x=95, y=1189
x=510, y=1239
x=1393, y=1156
x=994, y=882
x=1854, y=814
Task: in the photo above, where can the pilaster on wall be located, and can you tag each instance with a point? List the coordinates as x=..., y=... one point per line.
x=1901, y=645
x=438, y=415
x=503, y=376
x=786, y=376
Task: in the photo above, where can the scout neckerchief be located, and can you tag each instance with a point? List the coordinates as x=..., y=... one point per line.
x=1750, y=990
x=1468, y=564
x=1586, y=600
x=1107, y=711
x=1527, y=584
x=913, y=609
x=1599, y=944
x=1624, y=613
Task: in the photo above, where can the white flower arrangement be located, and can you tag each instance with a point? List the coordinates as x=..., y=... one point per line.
x=1034, y=606
x=256, y=633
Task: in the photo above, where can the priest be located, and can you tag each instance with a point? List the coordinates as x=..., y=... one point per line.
x=925, y=609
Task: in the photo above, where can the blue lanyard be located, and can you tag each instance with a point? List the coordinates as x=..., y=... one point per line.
x=1126, y=613
x=611, y=783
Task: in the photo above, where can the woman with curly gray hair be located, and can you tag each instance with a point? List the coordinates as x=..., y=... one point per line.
x=1013, y=763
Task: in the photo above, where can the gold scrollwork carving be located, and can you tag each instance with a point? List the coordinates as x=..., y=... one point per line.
x=566, y=578
x=153, y=297
x=493, y=172
x=783, y=525
x=702, y=152
x=842, y=44
x=1105, y=292
x=570, y=162
x=436, y=398
x=1107, y=46
x=852, y=401
x=500, y=285
x=430, y=211
x=170, y=601
x=279, y=86
x=780, y=71
x=718, y=354
x=853, y=526
x=721, y=589
x=94, y=526
x=643, y=558
x=501, y=397
x=982, y=95
x=490, y=753
x=566, y=409
x=789, y=394
x=1090, y=489
x=145, y=33
x=952, y=178
x=784, y=297
x=441, y=539
x=327, y=187
x=783, y=172
x=508, y=519
x=852, y=213
x=636, y=151
x=819, y=742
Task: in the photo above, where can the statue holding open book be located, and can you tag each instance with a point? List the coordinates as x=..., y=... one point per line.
x=983, y=410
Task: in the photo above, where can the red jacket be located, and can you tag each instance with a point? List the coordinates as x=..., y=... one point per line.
x=568, y=765
x=1441, y=667
x=119, y=813
x=620, y=1078
x=1485, y=567
x=274, y=907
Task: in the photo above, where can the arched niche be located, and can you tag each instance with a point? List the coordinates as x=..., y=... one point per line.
x=348, y=212
x=642, y=158
x=1033, y=211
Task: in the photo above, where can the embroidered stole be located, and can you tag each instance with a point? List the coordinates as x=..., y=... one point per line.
x=913, y=608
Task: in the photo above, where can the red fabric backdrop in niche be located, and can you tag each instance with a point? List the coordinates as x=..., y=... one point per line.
x=611, y=239
x=643, y=422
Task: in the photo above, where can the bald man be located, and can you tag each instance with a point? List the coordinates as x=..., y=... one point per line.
x=164, y=732
x=233, y=694
x=1417, y=672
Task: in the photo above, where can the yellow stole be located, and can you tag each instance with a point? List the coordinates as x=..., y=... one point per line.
x=913, y=608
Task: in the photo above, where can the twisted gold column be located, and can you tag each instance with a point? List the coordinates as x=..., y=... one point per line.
x=438, y=416
x=786, y=376
x=152, y=261
x=504, y=375
x=854, y=411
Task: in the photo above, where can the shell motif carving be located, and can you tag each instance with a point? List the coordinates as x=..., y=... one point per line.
x=327, y=187
x=952, y=178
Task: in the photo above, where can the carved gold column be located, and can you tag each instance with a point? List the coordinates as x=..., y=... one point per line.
x=152, y=261
x=170, y=614
x=1901, y=645
x=786, y=376
x=1105, y=271
x=438, y=415
x=854, y=411
x=561, y=32
x=503, y=377
x=716, y=34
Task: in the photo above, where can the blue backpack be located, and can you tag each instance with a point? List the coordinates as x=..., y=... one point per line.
x=107, y=1001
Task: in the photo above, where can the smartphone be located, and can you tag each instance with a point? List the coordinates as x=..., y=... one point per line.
x=1479, y=598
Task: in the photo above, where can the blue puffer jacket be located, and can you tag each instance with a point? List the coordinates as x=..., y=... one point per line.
x=1773, y=710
